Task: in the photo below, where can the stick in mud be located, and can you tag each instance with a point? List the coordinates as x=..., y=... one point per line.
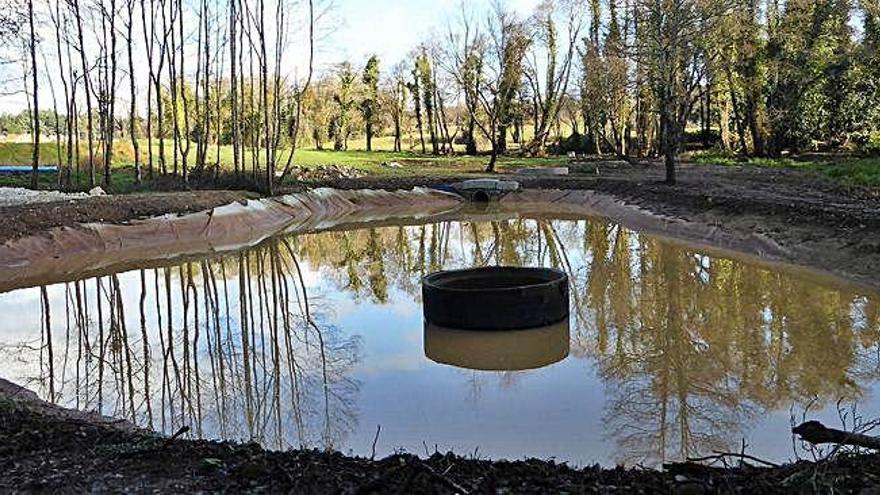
x=816, y=433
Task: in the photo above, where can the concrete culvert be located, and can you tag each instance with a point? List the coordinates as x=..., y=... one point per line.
x=495, y=298
x=485, y=190
x=480, y=196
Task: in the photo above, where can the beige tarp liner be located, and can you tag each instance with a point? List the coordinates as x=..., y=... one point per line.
x=555, y=203
x=65, y=254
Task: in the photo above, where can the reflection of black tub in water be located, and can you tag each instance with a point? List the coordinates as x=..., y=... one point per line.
x=512, y=350
x=495, y=298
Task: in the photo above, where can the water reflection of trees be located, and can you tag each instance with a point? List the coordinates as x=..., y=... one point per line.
x=691, y=348
x=232, y=347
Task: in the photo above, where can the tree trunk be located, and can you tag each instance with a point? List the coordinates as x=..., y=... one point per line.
x=35, y=157
x=668, y=140
x=88, y=90
x=132, y=114
x=490, y=168
x=502, y=139
x=233, y=89
x=397, y=144
x=416, y=91
x=470, y=137
x=669, y=161
x=111, y=97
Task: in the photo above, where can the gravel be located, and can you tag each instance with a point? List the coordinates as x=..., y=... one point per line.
x=12, y=196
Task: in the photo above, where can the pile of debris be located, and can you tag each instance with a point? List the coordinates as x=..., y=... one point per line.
x=12, y=196
x=325, y=172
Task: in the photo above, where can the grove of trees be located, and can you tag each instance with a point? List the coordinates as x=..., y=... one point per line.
x=633, y=78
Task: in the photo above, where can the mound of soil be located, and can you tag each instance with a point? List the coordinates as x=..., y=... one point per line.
x=29, y=219
x=49, y=449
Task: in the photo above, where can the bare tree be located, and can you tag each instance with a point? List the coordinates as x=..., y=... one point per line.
x=77, y=14
x=462, y=60
x=132, y=111
x=504, y=47
x=397, y=97
x=672, y=45
x=32, y=46
x=557, y=72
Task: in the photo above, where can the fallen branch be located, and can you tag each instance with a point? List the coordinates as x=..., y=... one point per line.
x=723, y=455
x=816, y=433
x=178, y=434
x=443, y=479
x=168, y=442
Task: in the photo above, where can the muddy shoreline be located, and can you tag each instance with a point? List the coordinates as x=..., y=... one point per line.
x=814, y=221
x=48, y=449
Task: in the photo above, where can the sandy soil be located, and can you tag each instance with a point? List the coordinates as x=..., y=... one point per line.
x=12, y=196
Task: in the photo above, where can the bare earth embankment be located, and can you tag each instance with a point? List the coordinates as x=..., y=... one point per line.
x=47, y=449
x=820, y=223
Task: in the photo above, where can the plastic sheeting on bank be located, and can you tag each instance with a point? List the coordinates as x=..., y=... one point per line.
x=69, y=253
x=65, y=254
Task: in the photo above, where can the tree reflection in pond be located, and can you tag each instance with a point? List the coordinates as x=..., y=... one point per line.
x=232, y=347
x=692, y=350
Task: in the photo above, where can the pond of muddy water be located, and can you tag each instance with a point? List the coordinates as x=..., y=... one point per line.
x=315, y=340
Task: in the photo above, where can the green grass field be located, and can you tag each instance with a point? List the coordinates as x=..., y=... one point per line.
x=849, y=170
x=371, y=162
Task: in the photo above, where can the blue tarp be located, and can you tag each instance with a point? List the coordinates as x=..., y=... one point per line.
x=26, y=169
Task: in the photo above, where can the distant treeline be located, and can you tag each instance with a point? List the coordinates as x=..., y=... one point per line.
x=635, y=78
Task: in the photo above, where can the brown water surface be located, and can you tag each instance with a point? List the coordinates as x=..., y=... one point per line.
x=316, y=339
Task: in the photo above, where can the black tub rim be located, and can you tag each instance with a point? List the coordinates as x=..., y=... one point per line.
x=430, y=279
x=496, y=297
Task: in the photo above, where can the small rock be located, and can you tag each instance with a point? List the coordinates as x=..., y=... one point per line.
x=543, y=171
x=96, y=191
x=392, y=165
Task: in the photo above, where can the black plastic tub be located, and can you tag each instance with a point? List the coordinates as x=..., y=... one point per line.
x=495, y=298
